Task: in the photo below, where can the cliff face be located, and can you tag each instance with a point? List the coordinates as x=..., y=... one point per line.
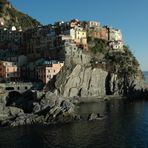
x=88, y=82
x=12, y=17
x=81, y=76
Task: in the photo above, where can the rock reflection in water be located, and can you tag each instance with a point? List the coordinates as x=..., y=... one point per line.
x=126, y=125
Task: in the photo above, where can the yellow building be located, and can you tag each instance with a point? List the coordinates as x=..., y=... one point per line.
x=78, y=35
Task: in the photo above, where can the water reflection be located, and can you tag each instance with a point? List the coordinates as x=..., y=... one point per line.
x=126, y=125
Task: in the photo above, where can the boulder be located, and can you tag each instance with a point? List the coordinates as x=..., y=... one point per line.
x=14, y=111
x=38, y=95
x=3, y=98
x=66, y=105
x=94, y=116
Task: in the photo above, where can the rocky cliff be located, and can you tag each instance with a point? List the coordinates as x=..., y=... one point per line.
x=35, y=108
x=9, y=16
x=103, y=73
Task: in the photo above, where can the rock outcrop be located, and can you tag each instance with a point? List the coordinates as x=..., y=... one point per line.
x=94, y=78
x=82, y=81
x=94, y=116
x=46, y=108
x=95, y=82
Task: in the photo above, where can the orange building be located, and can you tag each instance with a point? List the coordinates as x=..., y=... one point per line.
x=104, y=33
x=47, y=71
x=9, y=71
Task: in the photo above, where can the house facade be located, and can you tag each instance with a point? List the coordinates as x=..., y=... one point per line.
x=48, y=70
x=9, y=71
x=115, y=39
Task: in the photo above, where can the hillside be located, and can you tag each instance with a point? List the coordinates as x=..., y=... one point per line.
x=100, y=73
x=9, y=16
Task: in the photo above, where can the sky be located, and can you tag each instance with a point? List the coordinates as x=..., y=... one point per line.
x=131, y=16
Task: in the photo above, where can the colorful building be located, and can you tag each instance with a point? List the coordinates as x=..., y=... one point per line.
x=9, y=71
x=93, y=24
x=48, y=70
x=104, y=33
x=115, y=34
x=115, y=39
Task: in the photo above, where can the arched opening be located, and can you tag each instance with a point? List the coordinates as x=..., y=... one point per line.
x=12, y=98
x=9, y=88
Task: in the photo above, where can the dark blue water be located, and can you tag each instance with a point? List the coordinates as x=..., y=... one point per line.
x=125, y=126
x=146, y=76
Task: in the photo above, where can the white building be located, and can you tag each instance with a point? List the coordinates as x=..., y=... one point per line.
x=115, y=39
x=93, y=24
x=115, y=35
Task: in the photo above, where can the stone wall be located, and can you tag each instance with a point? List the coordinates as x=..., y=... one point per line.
x=20, y=87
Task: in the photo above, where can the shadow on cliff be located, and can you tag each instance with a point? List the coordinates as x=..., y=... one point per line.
x=107, y=84
x=23, y=101
x=137, y=95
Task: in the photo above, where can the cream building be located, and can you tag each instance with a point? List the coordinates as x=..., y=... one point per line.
x=115, y=39
x=93, y=24
x=78, y=34
x=115, y=35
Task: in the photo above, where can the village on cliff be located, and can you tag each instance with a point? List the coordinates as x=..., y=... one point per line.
x=38, y=54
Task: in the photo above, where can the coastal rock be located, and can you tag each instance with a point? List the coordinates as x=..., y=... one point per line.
x=9, y=114
x=3, y=98
x=94, y=116
x=27, y=119
x=38, y=95
x=14, y=111
x=10, y=111
x=86, y=81
x=83, y=82
x=47, y=108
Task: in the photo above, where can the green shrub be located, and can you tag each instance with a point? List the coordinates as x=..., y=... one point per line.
x=100, y=46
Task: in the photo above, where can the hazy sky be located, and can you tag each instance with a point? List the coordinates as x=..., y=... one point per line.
x=131, y=16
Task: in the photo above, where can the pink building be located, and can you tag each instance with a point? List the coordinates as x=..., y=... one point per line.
x=9, y=71
x=47, y=71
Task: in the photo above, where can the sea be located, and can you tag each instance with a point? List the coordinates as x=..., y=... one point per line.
x=146, y=76
x=125, y=126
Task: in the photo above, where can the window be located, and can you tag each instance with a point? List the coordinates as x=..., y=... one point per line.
x=49, y=76
x=9, y=88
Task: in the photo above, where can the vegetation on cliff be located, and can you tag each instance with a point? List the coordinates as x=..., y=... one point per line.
x=13, y=17
x=121, y=63
x=100, y=71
